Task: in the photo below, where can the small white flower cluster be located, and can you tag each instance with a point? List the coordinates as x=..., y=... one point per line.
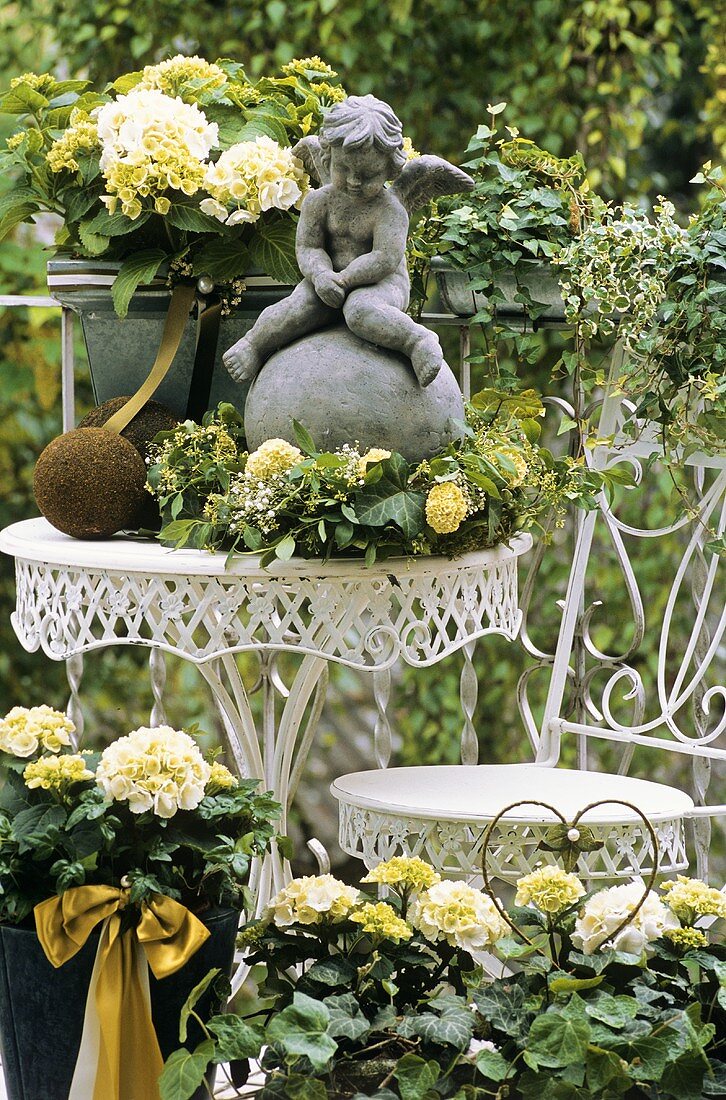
x=159, y=769
x=254, y=502
x=152, y=143
x=463, y=916
x=598, y=920
x=24, y=730
x=252, y=177
x=313, y=899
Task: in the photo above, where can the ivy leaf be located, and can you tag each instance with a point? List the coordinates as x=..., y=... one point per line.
x=302, y=1029
x=683, y=1078
x=346, y=1019
x=492, y=1064
x=335, y=971
x=606, y=1070
x=616, y=1012
x=273, y=249
x=139, y=269
x=235, y=1038
x=454, y=1027
x=184, y=1071
x=199, y=990
x=555, y=1041
x=390, y=500
x=415, y=1077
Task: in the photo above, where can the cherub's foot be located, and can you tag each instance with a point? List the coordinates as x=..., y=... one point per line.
x=242, y=361
x=427, y=358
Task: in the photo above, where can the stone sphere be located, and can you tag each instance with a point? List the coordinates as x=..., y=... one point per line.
x=89, y=483
x=345, y=390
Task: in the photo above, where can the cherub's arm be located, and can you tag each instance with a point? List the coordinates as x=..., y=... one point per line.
x=310, y=251
x=389, y=249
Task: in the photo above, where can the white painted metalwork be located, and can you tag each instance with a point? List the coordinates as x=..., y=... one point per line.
x=441, y=815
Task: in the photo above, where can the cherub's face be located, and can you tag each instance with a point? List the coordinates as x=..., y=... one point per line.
x=359, y=172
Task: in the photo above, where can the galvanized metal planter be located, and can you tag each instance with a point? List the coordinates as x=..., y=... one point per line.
x=122, y=351
x=541, y=280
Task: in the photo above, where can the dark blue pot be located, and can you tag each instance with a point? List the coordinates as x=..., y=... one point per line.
x=42, y=1009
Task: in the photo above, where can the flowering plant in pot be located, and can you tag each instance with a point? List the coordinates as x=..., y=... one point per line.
x=186, y=162
x=440, y=991
x=147, y=842
x=283, y=499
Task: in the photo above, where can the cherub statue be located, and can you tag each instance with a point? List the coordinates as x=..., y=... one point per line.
x=351, y=240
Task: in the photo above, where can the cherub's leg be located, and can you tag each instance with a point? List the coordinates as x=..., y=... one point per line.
x=373, y=314
x=277, y=326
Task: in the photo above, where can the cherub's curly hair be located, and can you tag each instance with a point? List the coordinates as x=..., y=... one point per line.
x=364, y=120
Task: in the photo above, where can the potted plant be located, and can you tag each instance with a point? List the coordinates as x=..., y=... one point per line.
x=146, y=843
x=660, y=288
x=283, y=499
x=183, y=170
x=492, y=249
x=610, y=993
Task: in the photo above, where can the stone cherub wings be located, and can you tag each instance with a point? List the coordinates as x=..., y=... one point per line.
x=420, y=180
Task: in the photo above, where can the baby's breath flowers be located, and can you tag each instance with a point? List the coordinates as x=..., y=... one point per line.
x=158, y=769
x=252, y=177
x=313, y=899
x=57, y=773
x=381, y=922
x=690, y=898
x=23, y=731
x=446, y=507
x=549, y=889
x=460, y=914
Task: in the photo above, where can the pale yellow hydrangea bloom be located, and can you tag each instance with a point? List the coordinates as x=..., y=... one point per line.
x=375, y=454
x=331, y=93
x=405, y=872
x=299, y=66
x=313, y=899
x=152, y=143
x=158, y=769
x=33, y=80
x=446, y=507
x=463, y=916
x=690, y=898
x=252, y=177
x=549, y=889
x=274, y=456
x=171, y=75
x=521, y=467
x=597, y=923
x=80, y=137
x=55, y=773
x=24, y=730
x=687, y=939
x=220, y=779
x=381, y=921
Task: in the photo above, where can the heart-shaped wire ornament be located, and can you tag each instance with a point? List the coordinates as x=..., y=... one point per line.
x=569, y=827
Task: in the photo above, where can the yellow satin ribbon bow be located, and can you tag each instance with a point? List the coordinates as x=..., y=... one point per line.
x=129, y=1059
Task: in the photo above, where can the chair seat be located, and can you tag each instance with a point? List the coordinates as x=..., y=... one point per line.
x=441, y=814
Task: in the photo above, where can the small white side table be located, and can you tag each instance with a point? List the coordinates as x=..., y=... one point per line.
x=75, y=596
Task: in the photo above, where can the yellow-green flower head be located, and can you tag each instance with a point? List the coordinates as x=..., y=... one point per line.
x=15, y=140
x=32, y=80
x=171, y=76
x=405, y=872
x=690, y=898
x=24, y=730
x=549, y=889
x=463, y=916
x=80, y=137
x=686, y=939
x=220, y=779
x=56, y=773
x=382, y=922
x=375, y=454
x=274, y=456
x=158, y=769
x=301, y=66
x=517, y=459
x=408, y=150
x=313, y=899
x=251, y=934
x=446, y=507
x=331, y=93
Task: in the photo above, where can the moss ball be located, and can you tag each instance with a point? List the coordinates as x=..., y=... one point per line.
x=148, y=422
x=89, y=483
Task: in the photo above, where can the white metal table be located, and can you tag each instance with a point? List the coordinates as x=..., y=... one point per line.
x=75, y=596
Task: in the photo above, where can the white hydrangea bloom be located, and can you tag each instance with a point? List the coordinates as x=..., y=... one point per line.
x=600, y=916
x=159, y=769
x=313, y=899
x=460, y=914
x=24, y=730
x=251, y=177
